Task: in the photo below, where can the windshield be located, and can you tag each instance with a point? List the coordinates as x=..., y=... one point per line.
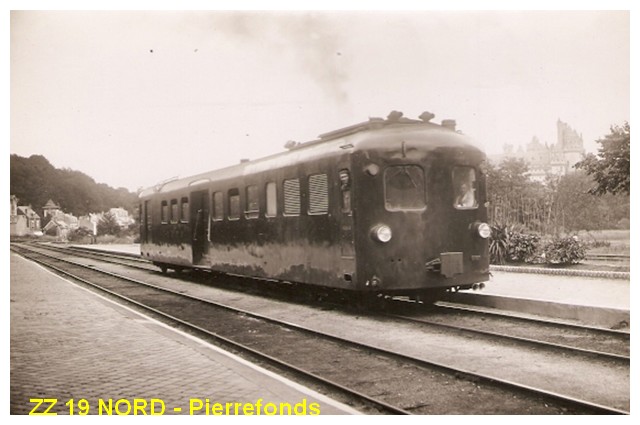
x=404, y=188
x=464, y=184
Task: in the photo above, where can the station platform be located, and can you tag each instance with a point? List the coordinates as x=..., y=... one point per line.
x=593, y=301
x=69, y=343
x=591, y=297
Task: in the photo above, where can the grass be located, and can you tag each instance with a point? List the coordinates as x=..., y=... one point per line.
x=606, y=235
x=619, y=241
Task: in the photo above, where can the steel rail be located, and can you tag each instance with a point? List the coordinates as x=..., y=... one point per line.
x=445, y=305
x=530, y=341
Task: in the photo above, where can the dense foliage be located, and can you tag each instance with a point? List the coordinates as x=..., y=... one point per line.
x=108, y=225
x=561, y=251
x=498, y=244
x=34, y=181
x=611, y=168
x=523, y=247
x=561, y=205
x=531, y=220
x=81, y=235
x=509, y=244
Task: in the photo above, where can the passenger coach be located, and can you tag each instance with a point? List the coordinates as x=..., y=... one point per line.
x=391, y=206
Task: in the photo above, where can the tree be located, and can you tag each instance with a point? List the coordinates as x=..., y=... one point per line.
x=611, y=167
x=509, y=177
x=576, y=208
x=108, y=225
x=34, y=181
x=513, y=197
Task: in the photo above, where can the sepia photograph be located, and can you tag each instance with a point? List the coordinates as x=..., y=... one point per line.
x=269, y=210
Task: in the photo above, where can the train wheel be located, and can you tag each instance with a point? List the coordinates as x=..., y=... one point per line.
x=369, y=302
x=163, y=268
x=430, y=296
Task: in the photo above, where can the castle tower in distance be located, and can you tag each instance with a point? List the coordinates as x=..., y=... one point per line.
x=556, y=159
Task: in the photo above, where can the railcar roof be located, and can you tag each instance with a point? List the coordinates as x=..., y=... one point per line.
x=372, y=134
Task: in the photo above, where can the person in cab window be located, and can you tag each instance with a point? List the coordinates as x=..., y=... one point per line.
x=465, y=198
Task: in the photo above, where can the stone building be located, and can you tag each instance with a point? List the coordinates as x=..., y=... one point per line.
x=23, y=219
x=543, y=159
x=50, y=209
x=122, y=216
x=60, y=225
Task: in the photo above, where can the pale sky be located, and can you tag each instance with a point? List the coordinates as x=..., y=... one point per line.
x=133, y=98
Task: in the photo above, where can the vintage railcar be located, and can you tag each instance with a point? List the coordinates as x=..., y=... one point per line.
x=388, y=206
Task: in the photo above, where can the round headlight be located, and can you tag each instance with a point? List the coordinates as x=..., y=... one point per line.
x=382, y=233
x=484, y=230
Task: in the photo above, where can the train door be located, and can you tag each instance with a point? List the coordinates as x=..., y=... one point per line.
x=347, y=249
x=199, y=217
x=145, y=222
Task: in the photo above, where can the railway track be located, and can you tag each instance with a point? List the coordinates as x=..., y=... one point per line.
x=106, y=256
x=588, y=340
x=384, y=380
x=572, y=339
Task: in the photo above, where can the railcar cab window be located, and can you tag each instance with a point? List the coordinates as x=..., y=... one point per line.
x=218, y=207
x=253, y=207
x=184, y=210
x=404, y=188
x=164, y=212
x=174, y=211
x=234, y=204
x=464, y=184
x=345, y=188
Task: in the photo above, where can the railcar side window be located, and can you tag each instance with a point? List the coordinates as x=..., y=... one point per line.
x=174, y=211
x=272, y=204
x=184, y=210
x=234, y=204
x=318, y=194
x=218, y=208
x=464, y=185
x=164, y=212
x=147, y=209
x=404, y=188
x=292, y=197
x=253, y=209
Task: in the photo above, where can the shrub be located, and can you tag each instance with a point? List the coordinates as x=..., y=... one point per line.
x=599, y=244
x=80, y=234
x=498, y=244
x=510, y=244
x=562, y=251
x=523, y=247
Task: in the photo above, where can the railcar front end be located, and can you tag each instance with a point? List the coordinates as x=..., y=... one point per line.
x=421, y=215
